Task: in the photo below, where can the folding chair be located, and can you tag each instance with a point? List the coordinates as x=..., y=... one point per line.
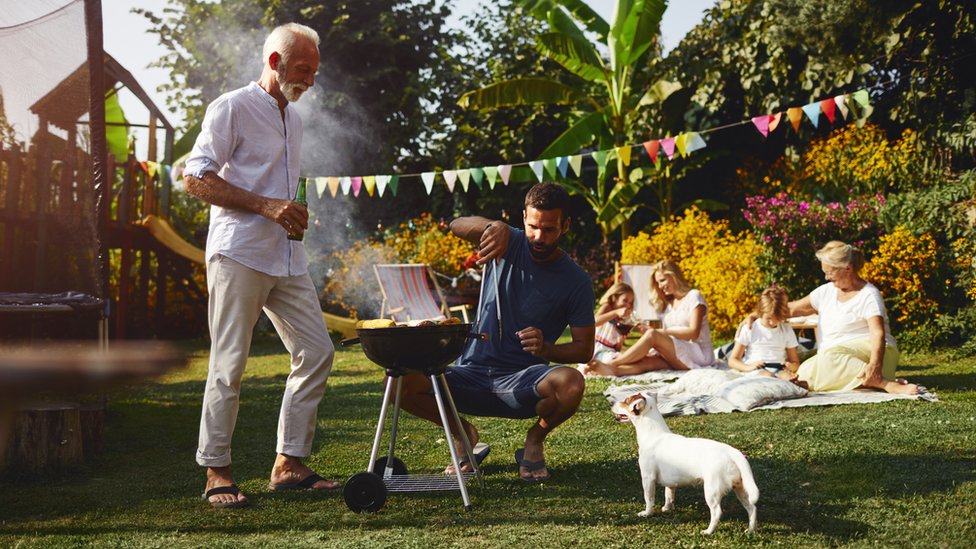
x=407, y=293
x=639, y=278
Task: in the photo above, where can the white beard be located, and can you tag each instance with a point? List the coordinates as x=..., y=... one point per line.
x=292, y=91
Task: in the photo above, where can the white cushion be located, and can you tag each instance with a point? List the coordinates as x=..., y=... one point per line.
x=751, y=391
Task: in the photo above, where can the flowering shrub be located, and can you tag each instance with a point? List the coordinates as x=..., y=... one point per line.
x=350, y=283
x=791, y=231
x=905, y=269
x=720, y=263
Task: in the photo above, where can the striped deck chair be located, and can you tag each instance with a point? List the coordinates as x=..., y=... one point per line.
x=639, y=278
x=407, y=293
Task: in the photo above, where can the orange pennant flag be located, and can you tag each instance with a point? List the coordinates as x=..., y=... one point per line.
x=795, y=114
x=333, y=184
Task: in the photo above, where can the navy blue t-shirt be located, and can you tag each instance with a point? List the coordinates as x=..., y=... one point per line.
x=549, y=296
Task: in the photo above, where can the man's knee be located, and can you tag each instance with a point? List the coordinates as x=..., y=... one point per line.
x=566, y=384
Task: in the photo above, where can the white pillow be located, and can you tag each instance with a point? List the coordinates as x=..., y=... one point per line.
x=751, y=391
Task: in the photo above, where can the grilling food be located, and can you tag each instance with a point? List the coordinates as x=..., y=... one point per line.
x=387, y=323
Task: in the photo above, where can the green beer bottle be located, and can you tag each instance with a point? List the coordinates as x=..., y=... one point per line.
x=299, y=198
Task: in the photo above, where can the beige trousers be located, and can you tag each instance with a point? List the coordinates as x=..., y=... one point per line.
x=237, y=296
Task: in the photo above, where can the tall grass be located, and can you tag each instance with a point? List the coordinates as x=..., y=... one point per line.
x=897, y=473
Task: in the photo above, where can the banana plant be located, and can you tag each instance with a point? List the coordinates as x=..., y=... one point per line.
x=607, y=96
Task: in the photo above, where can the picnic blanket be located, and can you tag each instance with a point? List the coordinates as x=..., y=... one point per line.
x=717, y=391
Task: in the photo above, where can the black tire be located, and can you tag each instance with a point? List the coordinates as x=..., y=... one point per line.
x=399, y=468
x=364, y=492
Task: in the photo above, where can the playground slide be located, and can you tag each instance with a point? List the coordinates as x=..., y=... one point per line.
x=163, y=232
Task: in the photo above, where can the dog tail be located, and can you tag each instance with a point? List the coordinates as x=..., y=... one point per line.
x=745, y=472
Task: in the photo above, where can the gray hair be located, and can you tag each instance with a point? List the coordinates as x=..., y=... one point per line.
x=282, y=39
x=839, y=255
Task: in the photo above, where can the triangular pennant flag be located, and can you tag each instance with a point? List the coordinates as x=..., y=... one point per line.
x=536, y=166
x=812, y=111
x=774, y=121
x=576, y=162
x=828, y=106
x=668, y=145
x=795, y=114
x=679, y=143
x=381, y=181
x=862, y=98
x=505, y=170
x=652, y=147
x=478, y=175
x=762, y=124
x=320, y=184
x=369, y=181
x=562, y=163
x=345, y=183
x=841, y=102
x=465, y=176
x=450, y=176
x=550, y=165
x=428, y=179
x=600, y=157
x=694, y=142
x=333, y=184
x=394, y=183
x=492, y=173
x=357, y=185
x=623, y=153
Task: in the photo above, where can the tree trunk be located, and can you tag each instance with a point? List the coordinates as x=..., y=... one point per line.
x=47, y=437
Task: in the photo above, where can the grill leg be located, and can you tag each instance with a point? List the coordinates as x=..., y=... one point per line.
x=435, y=382
x=464, y=435
x=379, y=425
x=393, y=428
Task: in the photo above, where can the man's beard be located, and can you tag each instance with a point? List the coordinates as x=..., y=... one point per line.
x=292, y=91
x=544, y=252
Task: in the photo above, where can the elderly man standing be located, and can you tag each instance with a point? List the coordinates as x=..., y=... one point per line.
x=245, y=163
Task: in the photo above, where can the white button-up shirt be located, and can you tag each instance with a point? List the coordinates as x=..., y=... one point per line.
x=245, y=141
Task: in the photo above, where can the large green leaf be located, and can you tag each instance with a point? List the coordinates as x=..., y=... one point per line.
x=635, y=27
x=579, y=135
x=521, y=91
x=658, y=92
x=580, y=10
x=116, y=131
x=577, y=55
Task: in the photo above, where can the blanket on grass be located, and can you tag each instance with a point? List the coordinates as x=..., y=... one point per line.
x=716, y=391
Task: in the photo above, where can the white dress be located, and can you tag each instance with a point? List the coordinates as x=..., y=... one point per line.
x=697, y=353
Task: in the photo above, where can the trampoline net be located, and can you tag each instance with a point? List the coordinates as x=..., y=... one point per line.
x=48, y=224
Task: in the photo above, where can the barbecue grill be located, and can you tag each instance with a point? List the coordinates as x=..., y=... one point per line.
x=404, y=350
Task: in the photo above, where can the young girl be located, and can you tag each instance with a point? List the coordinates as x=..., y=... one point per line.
x=616, y=307
x=769, y=345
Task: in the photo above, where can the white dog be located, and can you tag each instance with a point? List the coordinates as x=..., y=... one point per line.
x=673, y=460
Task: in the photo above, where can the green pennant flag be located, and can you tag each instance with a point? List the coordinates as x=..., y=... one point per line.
x=465, y=176
x=477, y=175
x=576, y=162
x=492, y=173
x=393, y=183
x=862, y=98
x=116, y=133
x=601, y=158
x=550, y=165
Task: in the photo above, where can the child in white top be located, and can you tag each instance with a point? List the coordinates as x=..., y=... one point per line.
x=768, y=346
x=613, y=322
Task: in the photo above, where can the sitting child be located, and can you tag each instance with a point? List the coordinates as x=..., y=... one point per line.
x=613, y=322
x=768, y=346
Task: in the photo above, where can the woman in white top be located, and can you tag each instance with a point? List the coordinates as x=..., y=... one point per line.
x=683, y=342
x=856, y=348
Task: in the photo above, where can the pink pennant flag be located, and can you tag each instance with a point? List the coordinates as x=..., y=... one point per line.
x=357, y=184
x=828, y=106
x=505, y=170
x=762, y=124
x=668, y=145
x=450, y=176
x=652, y=147
x=774, y=121
x=841, y=101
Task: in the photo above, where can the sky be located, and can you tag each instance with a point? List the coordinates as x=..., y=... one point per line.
x=126, y=38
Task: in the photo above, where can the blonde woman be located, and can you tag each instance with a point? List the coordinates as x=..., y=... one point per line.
x=856, y=348
x=684, y=340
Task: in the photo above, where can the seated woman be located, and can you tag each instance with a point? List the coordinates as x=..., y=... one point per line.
x=856, y=348
x=683, y=342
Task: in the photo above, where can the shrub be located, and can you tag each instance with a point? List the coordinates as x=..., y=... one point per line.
x=720, y=263
x=791, y=231
x=905, y=269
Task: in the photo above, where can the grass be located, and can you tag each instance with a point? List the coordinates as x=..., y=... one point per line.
x=896, y=473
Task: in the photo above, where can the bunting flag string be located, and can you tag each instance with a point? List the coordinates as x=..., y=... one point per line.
x=843, y=106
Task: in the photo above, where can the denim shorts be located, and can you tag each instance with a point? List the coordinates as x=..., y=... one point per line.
x=488, y=391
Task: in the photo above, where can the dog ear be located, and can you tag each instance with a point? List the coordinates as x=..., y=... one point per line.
x=637, y=405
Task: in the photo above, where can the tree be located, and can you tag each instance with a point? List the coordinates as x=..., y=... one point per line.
x=606, y=94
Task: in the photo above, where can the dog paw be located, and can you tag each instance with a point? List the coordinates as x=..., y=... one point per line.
x=707, y=532
x=645, y=513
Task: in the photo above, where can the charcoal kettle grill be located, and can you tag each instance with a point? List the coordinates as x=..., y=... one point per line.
x=404, y=350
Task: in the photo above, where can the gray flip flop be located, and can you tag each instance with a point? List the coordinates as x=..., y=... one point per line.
x=531, y=466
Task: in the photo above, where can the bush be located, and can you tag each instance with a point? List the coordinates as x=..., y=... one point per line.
x=905, y=269
x=720, y=263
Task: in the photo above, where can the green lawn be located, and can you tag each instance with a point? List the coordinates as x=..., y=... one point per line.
x=897, y=473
